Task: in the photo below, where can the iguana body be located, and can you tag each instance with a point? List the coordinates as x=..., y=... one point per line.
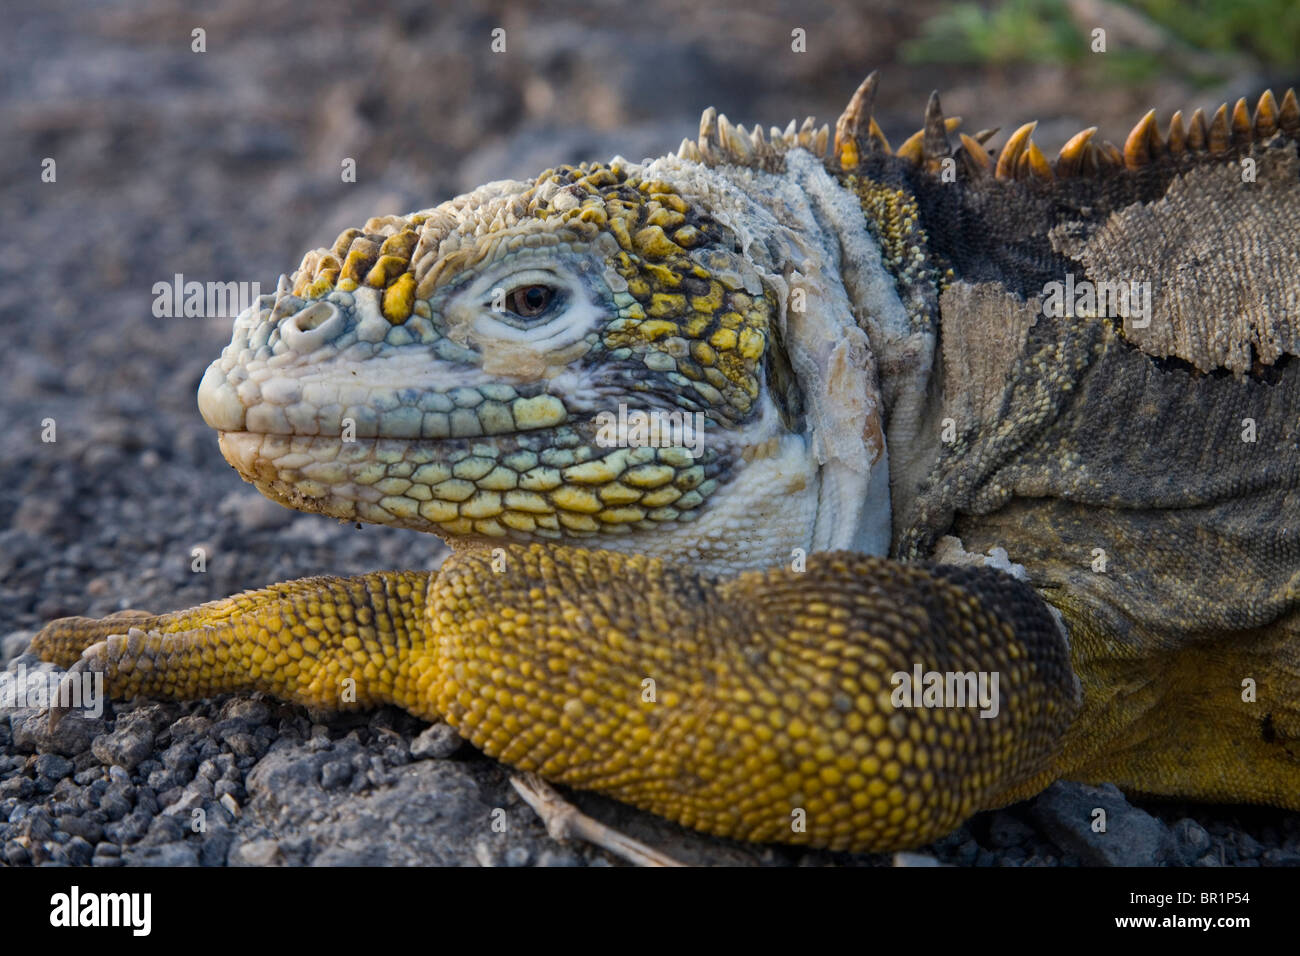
x=865, y=339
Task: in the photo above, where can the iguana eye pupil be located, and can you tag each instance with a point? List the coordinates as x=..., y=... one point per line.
x=530, y=300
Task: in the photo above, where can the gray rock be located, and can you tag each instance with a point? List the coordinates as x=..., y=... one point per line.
x=230, y=788
x=168, y=854
x=191, y=725
x=114, y=805
x=254, y=710
x=89, y=776
x=202, y=786
x=516, y=856
x=12, y=763
x=429, y=814
x=256, y=853
x=125, y=747
x=130, y=829
x=915, y=859
x=20, y=787
x=23, y=730
x=336, y=773
x=67, y=793
x=308, y=530
x=162, y=779
x=31, y=732
x=245, y=745
x=1006, y=830
x=87, y=826
x=37, y=826
x=147, y=800
x=1248, y=847
x=165, y=829
x=78, y=852
x=550, y=857
x=216, y=846
x=16, y=854
x=1280, y=857
x=188, y=801
x=1065, y=812
x=1191, y=841
x=181, y=760
x=436, y=742
x=230, y=805
x=15, y=644
x=255, y=512
x=350, y=856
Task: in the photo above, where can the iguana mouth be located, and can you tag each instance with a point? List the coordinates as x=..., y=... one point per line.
x=546, y=484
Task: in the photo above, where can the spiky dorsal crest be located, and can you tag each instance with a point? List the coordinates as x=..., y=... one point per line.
x=857, y=136
x=722, y=143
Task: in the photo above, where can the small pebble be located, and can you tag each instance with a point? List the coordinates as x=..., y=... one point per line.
x=436, y=742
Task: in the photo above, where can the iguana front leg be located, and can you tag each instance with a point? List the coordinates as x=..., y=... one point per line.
x=760, y=706
x=328, y=642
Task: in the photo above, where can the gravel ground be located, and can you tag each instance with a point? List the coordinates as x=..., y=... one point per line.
x=224, y=166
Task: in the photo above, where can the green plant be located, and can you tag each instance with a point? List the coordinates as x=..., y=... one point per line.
x=1017, y=31
x=1042, y=31
x=1267, y=30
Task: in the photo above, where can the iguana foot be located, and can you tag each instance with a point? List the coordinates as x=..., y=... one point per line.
x=332, y=643
x=64, y=639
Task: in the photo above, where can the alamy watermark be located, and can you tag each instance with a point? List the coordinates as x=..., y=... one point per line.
x=922, y=688
x=1109, y=299
x=133, y=911
x=193, y=299
x=653, y=429
x=42, y=689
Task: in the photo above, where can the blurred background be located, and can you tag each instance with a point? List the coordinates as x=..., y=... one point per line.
x=225, y=165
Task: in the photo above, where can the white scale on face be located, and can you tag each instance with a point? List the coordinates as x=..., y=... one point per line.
x=794, y=227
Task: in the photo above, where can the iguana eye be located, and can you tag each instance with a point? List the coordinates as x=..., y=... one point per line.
x=530, y=301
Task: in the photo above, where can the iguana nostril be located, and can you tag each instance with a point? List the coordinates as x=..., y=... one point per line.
x=313, y=317
x=312, y=327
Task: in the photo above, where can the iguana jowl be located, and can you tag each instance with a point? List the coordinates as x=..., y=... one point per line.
x=866, y=338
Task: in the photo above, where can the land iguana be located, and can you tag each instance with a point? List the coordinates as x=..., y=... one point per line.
x=919, y=458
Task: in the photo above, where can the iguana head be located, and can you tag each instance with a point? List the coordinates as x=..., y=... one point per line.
x=600, y=355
